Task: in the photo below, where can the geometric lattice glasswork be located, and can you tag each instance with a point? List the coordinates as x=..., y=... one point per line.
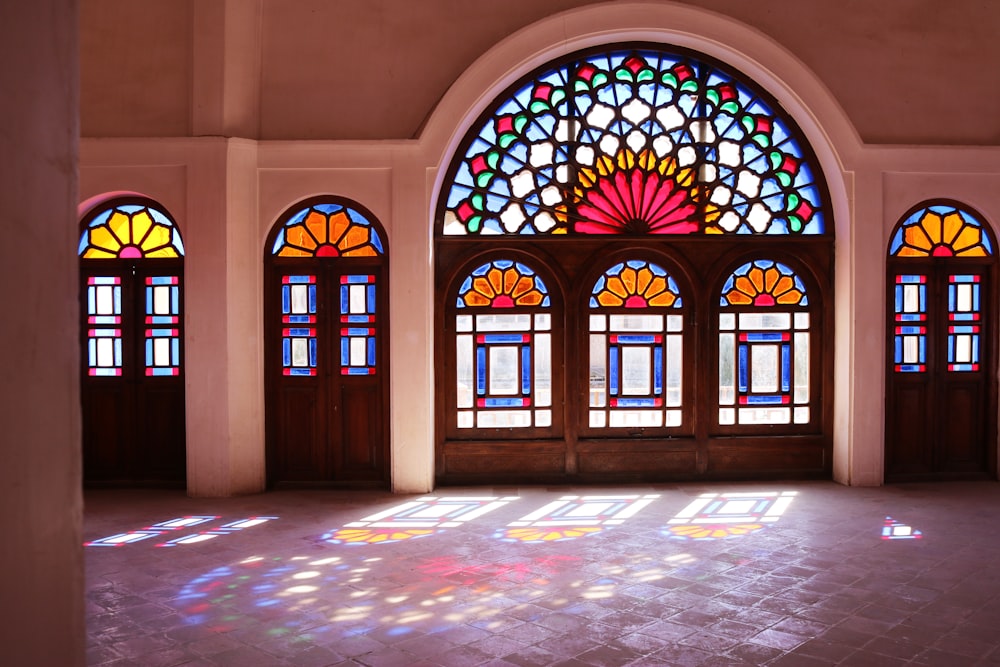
x=764, y=347
x=357, y=319
x=327, y=230
x=910, y=326
x=940, y=230
x=298, y=335
x=633, y=141
x=162, y=333
x=636, y=348
x=104, y=330
x=130, y=231
x=504, y=357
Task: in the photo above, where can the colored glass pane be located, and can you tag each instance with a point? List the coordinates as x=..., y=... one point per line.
x=964, y=322
x=358, y=325
x=328, y=230
x=130, y=231
x=910, y=326
x=503, y=284
x=299, y=350
x=635, y=284
x=940, y=230
x=162, y=330
x=104, y=326
x=764, y=283
x=633, y=141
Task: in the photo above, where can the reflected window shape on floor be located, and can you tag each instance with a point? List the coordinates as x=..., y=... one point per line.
x=896, y=530
x=714, y=516
x=417, y=518
x=571, y=517
x=180, y=524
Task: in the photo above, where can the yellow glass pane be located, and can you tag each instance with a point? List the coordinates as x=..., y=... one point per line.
x=102, y=238
x=476, y=299
x=289, y=251
x=97, y=253
x=932, y=224
x=657, y=286
x=158, y=236
x=524, y=284
x=510, y=277
x=906, y=251
x=916, y=237
x=141, y=222
x=118, y=223
x=355, y=237
x=744, y=285
x=664, y=300
x=483, y=286
x=167, y=251
x=952, y=225
x=975, y=251
x=628, y=279
x=737, y=298
x=316, y=222
x=770, y=278
x=363, y=251
x=495, y=277
x=532, y=298
x=783, y=285
x=339, y=222
x=606, y=298
x=970, y=236
x=297, y=235
x=756, y=276
x=791, y=297
x=615, y=285
x=644, y=276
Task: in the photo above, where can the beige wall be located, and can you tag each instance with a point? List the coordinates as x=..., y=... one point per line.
x=41, y=557
x=846, y=86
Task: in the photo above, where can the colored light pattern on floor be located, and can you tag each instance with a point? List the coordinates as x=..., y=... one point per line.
x=896, y=530
x=714, y=516
x=180, y=524
x=572, y=517
x=417, y=518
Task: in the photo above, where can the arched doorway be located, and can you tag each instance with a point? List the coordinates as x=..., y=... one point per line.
x=326, y=355
x=132, y=336
x=941, y=368
x=634, y=165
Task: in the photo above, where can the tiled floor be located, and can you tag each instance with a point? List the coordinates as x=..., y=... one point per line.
x=804, y=578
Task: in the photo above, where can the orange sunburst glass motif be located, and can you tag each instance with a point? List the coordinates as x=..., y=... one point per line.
x=535, y=534
x=635, y=284
x=713, y=531
x=940, y=231
x=764, y=283
x=328, y=230
x=503, y=284
x=130, y=231
x=375, y=535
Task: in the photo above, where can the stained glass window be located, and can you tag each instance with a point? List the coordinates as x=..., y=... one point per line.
x=327, y=230
x=130, y=231
x=940, y=230
x=503, y=347
x=104, y=325
x=910, y=328
x=298, y=335
x=636, y=348
x=163, y=342
x=764, y=346
x=357, y=319
x=634, y=141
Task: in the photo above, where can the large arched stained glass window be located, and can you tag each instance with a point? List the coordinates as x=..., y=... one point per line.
x=764, y=346
x=634, y=141
x=636, y=348
x=503, y=348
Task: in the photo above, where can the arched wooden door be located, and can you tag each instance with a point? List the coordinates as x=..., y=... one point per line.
x=940, y=375
x=327, y=340
x=132, y=380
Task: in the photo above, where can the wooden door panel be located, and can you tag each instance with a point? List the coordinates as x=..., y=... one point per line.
x=159, y=450
x=962, y=447
x=907, y=437
x=298, y=446
x=359, y=448
x=107, y=410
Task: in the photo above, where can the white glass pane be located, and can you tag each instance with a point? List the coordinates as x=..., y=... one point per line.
x=675, y=358
x=637, y=323
x=963, y=349
x=801, y=320
x=543, y=322
x=300, y=352
x=675, y=323
x=542, y=390
x=673, y=418
x=300, y=298
x=801, y=415
x=911, y=350
x=358, y=297
x=636, y=419
x=465, y=420
x=963, y=298
x=727, y=369
x=765, y=415
x=105, y=300
x=801, y=376
x=503, y=322
x=359, y=349
x=504, y=376
x=727, y=416
x=598, y=323
x=637, y=376
x=769, y=321
x=503, y=418
x=598, y=370
x=463, y=323
x=597, y=418
x=463, y=371
x=161, y=352
x=161, y=300
x=727, y=321
x=105, y=352
x=543, y=418
x=764, y=368
x=911, y=298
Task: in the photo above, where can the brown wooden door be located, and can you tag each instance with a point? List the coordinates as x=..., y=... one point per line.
x=132, y=380
x=938, y=390
x=326, y=372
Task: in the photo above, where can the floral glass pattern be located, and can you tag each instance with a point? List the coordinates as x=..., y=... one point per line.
x=940, y=230
x=635, y=284
x=328, y=230
x=130, y=231
x=503, y=284
x=634, y=141
x=763, y=283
